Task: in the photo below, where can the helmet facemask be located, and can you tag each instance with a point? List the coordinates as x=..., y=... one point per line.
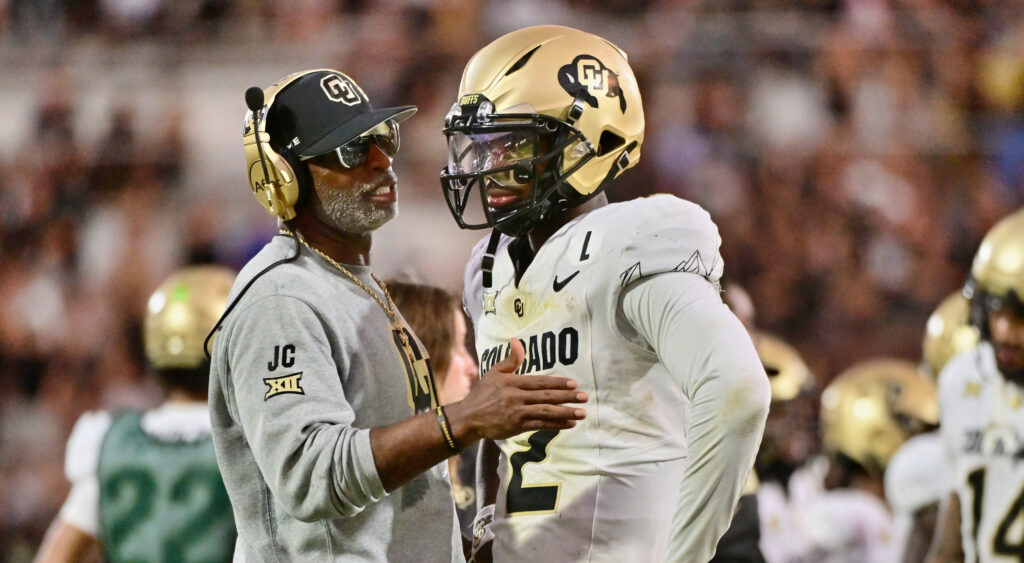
x=518, y=155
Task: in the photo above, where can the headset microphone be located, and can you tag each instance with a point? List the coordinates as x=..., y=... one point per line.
x=254, y=99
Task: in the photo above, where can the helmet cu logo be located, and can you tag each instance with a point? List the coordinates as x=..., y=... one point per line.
x=340, y=89
x=586, y=76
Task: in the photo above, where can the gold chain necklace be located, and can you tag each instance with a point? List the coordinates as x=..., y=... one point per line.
x=389, y=308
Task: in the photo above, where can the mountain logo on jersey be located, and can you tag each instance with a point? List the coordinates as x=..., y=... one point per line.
x=282, y=385
x=543, y=351
x=694, y=264
x=586, y=76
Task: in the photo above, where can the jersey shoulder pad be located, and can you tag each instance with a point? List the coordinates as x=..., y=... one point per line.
x=918, y=474
x=83, y=449
x=472, y=283
x=660, y=234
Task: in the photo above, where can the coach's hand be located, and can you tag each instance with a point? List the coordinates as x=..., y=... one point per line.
x=504, y=404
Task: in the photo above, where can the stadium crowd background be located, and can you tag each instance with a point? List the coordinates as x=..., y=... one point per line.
x=853, y=154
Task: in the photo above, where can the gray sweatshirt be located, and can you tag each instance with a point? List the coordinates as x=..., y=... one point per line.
x=303, y=367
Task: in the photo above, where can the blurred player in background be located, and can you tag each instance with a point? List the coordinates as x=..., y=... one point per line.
x=982, y=397
x=763, y=528
x=867, y=412
x=622, y=297
x=786, y=481
x=918, y=476
x=437, y=317
x=145, y=485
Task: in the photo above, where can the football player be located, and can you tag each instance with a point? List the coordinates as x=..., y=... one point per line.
x=786, y=448
x=624, y=298
x=981, y=392
x=918, y=476
x=763, y=527
x=145, y=485
x=867, y=413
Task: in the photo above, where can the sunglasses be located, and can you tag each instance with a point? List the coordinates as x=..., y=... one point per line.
x=356, y=152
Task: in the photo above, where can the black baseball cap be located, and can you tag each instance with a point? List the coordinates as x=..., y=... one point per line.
x=321, y=111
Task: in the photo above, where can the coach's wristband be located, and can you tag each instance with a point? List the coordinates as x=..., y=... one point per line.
x=446, y=430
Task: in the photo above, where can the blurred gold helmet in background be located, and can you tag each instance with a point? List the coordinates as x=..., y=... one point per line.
x=788, y=375
x=181, y=312
x=947, y=333
x=998, y=267
x=870, y=409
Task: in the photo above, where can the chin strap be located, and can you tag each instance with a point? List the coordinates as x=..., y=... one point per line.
x=487, y=264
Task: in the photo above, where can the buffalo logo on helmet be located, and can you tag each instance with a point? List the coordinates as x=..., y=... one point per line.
x=587, y=75
x=340, y=88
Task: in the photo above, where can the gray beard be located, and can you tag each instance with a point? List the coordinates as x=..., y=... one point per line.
x=349, y=211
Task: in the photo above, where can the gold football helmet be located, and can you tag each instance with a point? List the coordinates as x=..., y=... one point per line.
x=180, y=314
x=788, y=375
x=997, y=273
x=869, y=410
x=547, y=104
x=947, y=333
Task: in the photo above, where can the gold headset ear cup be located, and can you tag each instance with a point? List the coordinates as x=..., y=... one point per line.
x=303, y=180
x=272, y=179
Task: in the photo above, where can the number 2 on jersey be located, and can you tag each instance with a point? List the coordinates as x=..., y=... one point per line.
x=1001, y=544
x=531, y=499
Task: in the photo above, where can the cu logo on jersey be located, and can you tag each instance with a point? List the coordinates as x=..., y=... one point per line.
x=340, y=89
x=586, y=76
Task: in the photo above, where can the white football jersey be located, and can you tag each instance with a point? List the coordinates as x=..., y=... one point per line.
x=605, y=490
x=849, y=526
x=918, y=475
x=982, y=425
x=783, y=537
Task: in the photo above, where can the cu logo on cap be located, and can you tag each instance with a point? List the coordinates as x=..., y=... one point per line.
x=340, y=89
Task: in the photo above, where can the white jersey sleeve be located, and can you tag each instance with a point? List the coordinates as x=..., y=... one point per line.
x=671, y=300
x=81, y=508
x=918, y=475
x=710, y=356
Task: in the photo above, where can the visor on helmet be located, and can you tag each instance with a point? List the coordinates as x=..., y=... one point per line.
x=506, y=151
